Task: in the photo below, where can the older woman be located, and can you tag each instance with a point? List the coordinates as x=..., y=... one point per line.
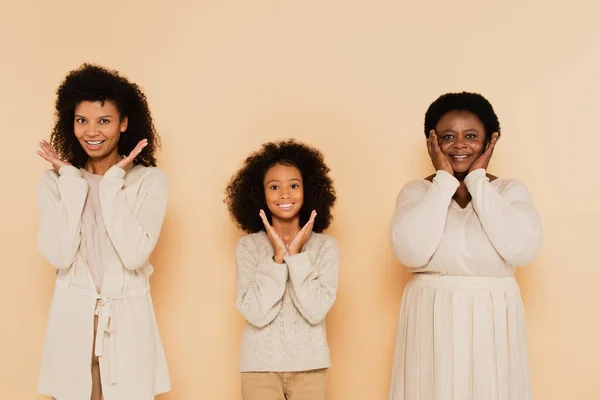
x=461, y=232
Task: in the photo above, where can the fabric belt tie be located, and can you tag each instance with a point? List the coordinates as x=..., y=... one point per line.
x=106, y=320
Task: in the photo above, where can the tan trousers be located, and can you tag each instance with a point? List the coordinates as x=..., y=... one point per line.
x=305, y=385
x=96, y=383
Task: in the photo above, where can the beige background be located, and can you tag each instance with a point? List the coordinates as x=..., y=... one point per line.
x=354, y=79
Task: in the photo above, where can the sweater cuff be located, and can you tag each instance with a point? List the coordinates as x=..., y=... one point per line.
x=278, y=272
x=299, y=266
x=115, y=172
x=474, y=176
x=446, y=181
x=69, y=171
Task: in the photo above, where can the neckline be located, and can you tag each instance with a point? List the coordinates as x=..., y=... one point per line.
x=457, y=206
x=89, y=174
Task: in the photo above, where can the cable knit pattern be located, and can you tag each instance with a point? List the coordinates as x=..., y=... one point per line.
x=285, y=304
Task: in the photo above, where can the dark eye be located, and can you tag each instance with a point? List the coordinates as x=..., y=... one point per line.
x=80, y=120
x=273, y=187
x=471, y=136
x=447, y=137
x=104, y=121
x=295, y=186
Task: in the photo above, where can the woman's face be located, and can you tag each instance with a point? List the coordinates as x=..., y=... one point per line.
x=284, y=191
x=98, y=128
x=462, y=139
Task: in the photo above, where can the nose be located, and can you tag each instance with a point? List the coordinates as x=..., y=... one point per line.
x=459, y=143
x=92, y=130
x=285, y=193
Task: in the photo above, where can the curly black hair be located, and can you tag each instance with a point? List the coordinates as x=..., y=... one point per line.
x=95, y=83
x=245, y=195
x=465, y=101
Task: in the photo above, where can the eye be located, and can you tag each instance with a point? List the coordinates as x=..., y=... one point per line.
x=295, y=186
x=471, y=136
x=104, y=121
x=80, y=120
x=447, y=137
x=274, y=187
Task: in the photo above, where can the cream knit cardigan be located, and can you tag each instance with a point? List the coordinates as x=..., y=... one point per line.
x=132, y=360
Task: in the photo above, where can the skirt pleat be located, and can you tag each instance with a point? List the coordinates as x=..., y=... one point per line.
x=460, y=338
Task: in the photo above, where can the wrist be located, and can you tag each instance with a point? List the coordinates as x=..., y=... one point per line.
x=278, y=258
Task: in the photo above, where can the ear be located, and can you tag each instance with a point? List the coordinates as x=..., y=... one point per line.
x=124, y=124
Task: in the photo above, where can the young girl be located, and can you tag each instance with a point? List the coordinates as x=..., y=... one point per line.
x=101, y=209
x=287, y=271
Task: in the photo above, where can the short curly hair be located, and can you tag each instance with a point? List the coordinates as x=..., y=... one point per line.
x=464, y=101
x=95, y=83
x=245, y=195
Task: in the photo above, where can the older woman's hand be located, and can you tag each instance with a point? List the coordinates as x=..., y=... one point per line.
x=438, y=159
x=484, y=159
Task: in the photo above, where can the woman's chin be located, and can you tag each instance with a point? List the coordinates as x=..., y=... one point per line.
x=461, y=168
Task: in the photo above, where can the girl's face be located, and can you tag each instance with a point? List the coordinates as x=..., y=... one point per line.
x=462, y=139
x=284, y=191
x=98, y=128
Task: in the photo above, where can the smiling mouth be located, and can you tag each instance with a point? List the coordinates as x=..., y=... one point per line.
x=94, y=144
x=460, y=157
x=285, y=207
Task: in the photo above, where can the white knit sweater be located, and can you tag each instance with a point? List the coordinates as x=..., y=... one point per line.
x=285, y=304
x=498, y=230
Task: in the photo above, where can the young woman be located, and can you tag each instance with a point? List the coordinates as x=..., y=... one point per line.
x=461, y=232
x=101, y=209
x=287, y=271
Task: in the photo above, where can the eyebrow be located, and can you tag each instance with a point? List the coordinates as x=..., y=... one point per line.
x=466, y=130
x=278, y=180
x=103, y=116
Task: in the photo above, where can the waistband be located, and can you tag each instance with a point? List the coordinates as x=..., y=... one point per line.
x=451, y=282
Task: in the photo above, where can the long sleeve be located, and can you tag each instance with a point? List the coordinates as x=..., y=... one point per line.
x=508, y=218
x=314, y=284
x=60, y=205
x=420, y=218
x=133, y=228
x=260, y=285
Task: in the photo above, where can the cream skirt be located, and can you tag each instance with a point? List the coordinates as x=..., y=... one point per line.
x=460, y=338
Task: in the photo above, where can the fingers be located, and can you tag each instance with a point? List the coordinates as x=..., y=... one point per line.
x=493, y=142
x=140, y=146
x=125, y=162
x=435, y=145
x=53, y=150
x=430, y=142
x=46, y=148
x=263, y=216
x=45, y=156
x=137, y=150
x=310, y=223
x=49, y=149
x=47, y=152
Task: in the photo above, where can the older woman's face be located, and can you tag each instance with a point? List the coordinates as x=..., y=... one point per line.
x=98, y=128
x=462, y=138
